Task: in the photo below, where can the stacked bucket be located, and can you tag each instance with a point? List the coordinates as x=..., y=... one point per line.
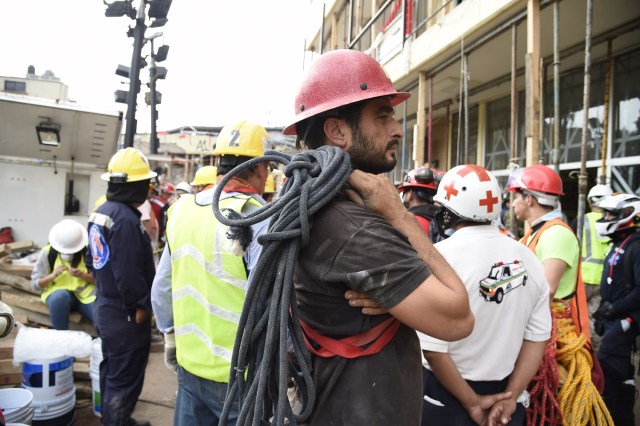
x=54, y=393
x=17, y=405
x=94, y=373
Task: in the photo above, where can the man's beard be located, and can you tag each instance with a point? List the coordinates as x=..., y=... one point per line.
x=365, y=158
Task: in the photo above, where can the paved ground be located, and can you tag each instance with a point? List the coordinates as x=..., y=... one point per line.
x=156, y=402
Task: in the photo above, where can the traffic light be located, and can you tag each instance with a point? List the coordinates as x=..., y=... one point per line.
x=161, y=73
x=161, y=54
x=158, y=97
x=121, y=96
x=120, y=8
x=158, y=10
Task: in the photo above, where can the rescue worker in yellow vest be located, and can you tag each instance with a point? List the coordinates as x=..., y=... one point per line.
x=594, y=250
x=205, y=178
x=200, y=285
x=62, y=276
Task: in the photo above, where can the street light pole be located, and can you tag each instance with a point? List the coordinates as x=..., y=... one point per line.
x=152, y=102
x=134, y=77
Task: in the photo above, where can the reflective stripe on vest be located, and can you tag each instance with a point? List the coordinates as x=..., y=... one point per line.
x=208, y=286
x=594, y=250
x=85, y=292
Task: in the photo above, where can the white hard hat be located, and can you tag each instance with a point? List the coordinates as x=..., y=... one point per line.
x=471, y=192
x=183, y=186
x=68, y=236
x=598, y=192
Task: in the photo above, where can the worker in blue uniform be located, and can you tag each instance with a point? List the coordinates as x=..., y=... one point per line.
x=618, y=316
x=121, y=257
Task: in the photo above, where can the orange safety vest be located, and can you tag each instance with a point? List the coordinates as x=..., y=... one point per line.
x=578, y=299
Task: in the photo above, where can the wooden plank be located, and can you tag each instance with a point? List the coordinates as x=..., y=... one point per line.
x=10, y=379
x=26, y=301
x=7, y=265
x=6, y=367
x=20, y=283
x=81, y=370
x=44, y=319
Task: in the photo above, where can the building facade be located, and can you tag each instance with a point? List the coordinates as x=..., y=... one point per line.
x=501, y=83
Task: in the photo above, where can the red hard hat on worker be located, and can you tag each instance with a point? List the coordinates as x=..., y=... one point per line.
x=422, y=177
x=536, y=178
x=338, y=78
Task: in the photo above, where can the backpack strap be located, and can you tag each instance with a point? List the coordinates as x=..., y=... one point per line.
x=51, y=257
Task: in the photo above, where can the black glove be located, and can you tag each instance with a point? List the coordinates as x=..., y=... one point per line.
x=598, y=327
x=604, y=311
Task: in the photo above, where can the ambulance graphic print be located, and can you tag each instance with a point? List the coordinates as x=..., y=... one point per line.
x=99, y=247
x=502, y=278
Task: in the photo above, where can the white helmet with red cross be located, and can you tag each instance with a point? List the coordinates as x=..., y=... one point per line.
x=470, y=192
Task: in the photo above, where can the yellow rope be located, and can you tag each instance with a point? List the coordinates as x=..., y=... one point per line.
x=579, y=400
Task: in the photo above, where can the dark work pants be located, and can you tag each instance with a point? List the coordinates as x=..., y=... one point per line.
x=452, y=412
x=125, y=351
x=615, y=359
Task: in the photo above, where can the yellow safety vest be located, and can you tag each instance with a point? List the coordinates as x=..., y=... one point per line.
x=85, y=292
x=594, y=250
x=208, y=286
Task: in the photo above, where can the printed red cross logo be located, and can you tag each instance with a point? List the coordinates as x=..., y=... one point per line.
x=450, y=190
x=490, y=201
x=483, y=176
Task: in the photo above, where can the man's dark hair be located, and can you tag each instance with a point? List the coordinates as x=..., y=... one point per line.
x=228, y=162
x=309, y=132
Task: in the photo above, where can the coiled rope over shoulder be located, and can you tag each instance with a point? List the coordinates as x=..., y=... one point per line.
x=260, y=364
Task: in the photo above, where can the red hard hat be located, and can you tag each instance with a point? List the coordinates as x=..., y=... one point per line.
x=168, y=187
x=536, y=178
x=422, y=177
x=338, y=78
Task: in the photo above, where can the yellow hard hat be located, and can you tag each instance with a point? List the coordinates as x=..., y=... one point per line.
x=270, y=185
x=241, y=139
x=205, y=175
x=128, y=165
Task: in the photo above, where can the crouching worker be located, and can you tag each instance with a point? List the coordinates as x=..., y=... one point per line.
x=62, y=276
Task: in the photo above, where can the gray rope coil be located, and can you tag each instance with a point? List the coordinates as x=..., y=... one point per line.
x=261, y=365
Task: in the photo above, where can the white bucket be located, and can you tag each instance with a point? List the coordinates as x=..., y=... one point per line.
x=16, y=404
x=94, y=373
x=51, y=382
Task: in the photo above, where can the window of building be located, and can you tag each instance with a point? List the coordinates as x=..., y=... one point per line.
x=626, y=124
x=498, y=134
x=465, y=153
x=572, y=116
x=15, y=86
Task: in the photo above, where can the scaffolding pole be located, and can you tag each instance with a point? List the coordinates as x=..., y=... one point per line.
x=605, y=120
x=514, y=118
x=555, y=153
x=582, y=179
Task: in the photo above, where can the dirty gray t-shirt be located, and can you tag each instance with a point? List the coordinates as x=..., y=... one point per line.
x=353, y=248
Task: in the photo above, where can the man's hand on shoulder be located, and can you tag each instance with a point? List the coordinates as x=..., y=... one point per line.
x=377, y=193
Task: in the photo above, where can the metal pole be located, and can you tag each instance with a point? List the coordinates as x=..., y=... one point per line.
x=582, y=180
x=134, y=76
x=430, y=142
x=514, y=117
x=152, y=103
x=466, y=110
x=555, y=153
x=605, y=120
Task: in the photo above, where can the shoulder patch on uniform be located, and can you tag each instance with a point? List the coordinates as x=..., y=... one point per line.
x=99, y=248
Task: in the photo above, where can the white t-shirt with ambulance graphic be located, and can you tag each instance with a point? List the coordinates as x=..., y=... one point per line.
x=508, y=294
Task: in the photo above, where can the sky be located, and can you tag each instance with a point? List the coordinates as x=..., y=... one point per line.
x=228, y=60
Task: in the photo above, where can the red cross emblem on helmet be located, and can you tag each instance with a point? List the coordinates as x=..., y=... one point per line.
x=471, y=192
